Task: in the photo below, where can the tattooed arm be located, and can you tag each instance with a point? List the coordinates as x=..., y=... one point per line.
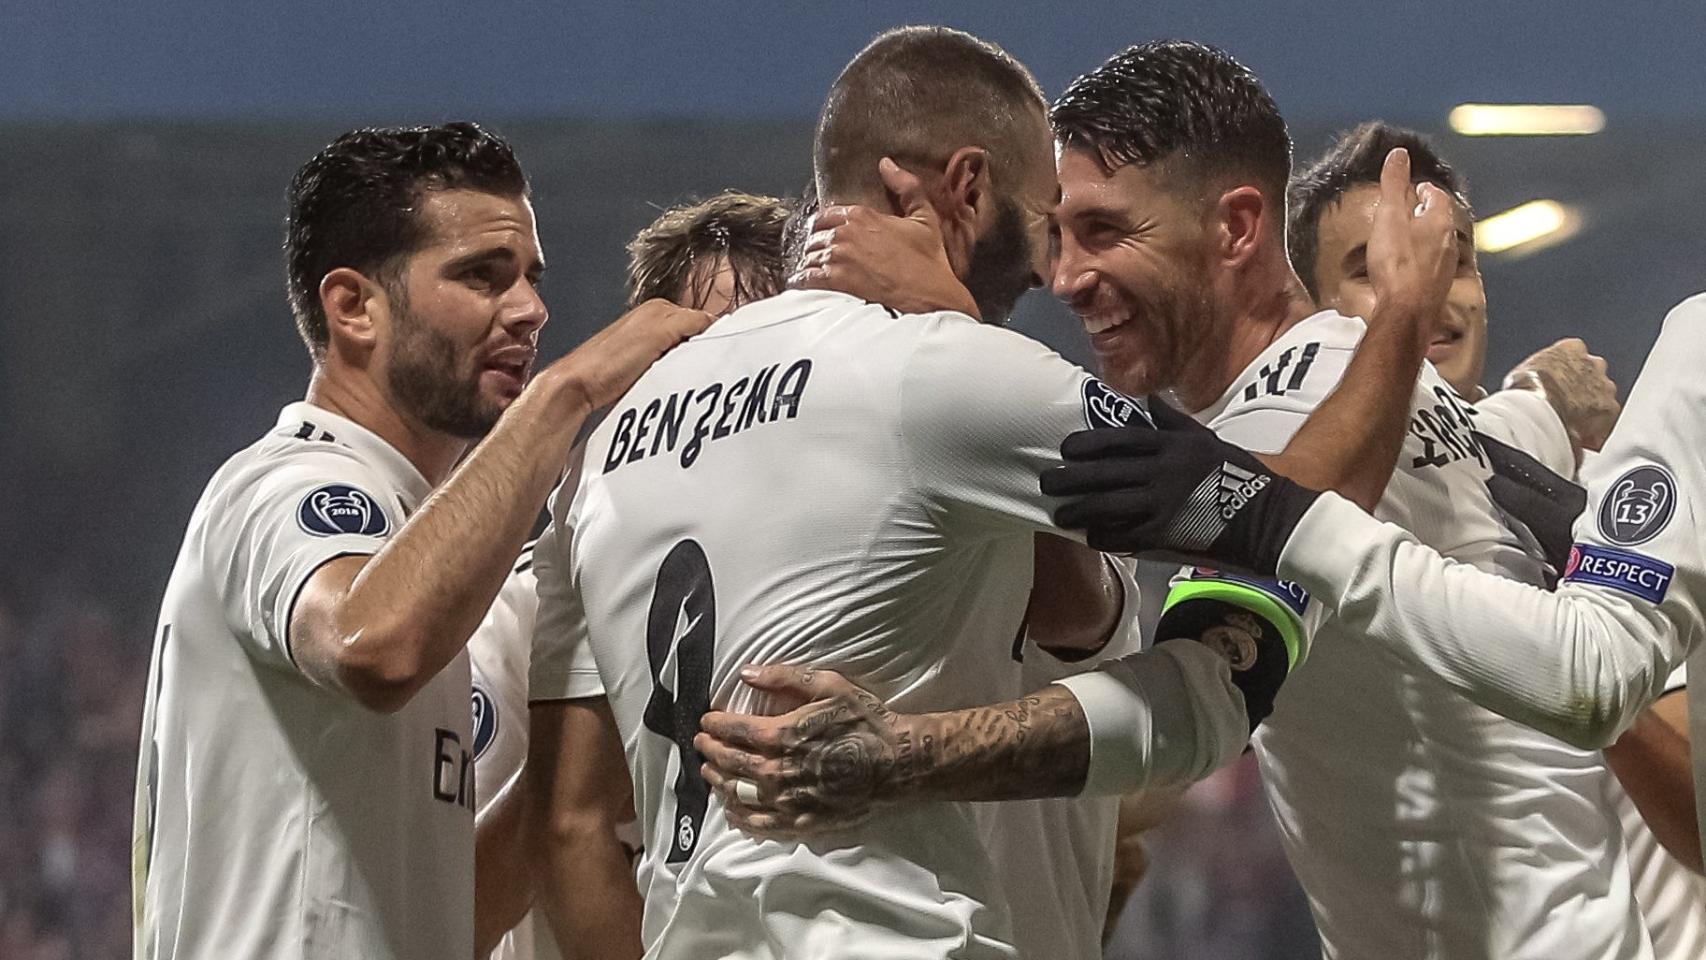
x=1157, y=718
x=829, y=763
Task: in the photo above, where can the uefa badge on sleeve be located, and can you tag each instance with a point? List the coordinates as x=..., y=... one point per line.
x=1638, y=506
x=339, y=508
x=1106, y=407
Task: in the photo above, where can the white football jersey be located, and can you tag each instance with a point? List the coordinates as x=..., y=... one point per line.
x=1420, y=824
x=814, y=480
x=1671, y=896
x=1056, y=856
x=1583, y=661
x=277, y=818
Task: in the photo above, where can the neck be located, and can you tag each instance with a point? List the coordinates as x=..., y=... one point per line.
x=431, y=452
x=1266, y=301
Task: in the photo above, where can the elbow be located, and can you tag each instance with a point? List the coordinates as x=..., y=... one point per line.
x=376, y=676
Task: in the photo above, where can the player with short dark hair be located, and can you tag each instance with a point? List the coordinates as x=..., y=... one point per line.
x=915, y=439
x=1173, y=254
x=305, y=787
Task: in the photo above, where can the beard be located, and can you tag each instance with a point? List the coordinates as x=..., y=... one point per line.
x=426, y=381
x=1181, y=333
x=1000, y=268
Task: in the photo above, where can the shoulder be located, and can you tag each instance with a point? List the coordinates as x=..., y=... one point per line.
x=1295, y=373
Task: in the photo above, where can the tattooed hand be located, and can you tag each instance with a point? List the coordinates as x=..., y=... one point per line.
x=1574, y=381
x=818, y=768
x=830, y=763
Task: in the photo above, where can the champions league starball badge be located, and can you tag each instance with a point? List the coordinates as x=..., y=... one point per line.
x=1106, y=407
x=338, y=508
x=1638, y=506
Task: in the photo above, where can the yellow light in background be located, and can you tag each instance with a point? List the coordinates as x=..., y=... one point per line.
x=1523, y=229
x=1526, y=119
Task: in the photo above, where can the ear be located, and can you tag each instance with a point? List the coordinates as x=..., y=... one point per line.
x=964, y=199
x=1240, y=224
x=351, y=303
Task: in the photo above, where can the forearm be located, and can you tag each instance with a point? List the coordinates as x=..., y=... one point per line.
x=415, y=603
x=1161, y=718
x=503, y=886
x=1578, y=664
x=1036, y=746
x=1077, y=598
x=588, y=892
x=1653, y=763
x=1350, y=443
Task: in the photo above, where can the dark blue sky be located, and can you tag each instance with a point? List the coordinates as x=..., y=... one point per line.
x=339, y=59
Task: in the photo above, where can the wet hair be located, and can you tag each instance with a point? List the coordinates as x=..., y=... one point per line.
x=1186, y=104
x=675, y=257
x=1356, y=158
x=356, y=203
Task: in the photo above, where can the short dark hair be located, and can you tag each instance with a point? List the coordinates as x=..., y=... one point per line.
x=1181, y=101
x=356, y=203
x=671, y=257
x=918, y=94
x=1355, y=158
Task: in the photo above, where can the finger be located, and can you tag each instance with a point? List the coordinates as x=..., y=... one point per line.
x=1121, y=507
x=804, y=683
x=908, y=190
x=1397, y=196
x=1165, y=416
x=1093, y=476
x=730, y=761
x=1095, y=444
x=743, y=731
x=829, y=218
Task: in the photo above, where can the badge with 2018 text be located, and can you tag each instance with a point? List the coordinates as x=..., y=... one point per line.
x=1106, y=407
x=1638, y=506
x=338, y=508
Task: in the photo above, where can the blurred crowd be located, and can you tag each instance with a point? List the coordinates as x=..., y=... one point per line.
x=70, y=699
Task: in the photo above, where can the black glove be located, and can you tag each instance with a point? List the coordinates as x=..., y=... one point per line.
x=1528, y=490
x=1175, y=490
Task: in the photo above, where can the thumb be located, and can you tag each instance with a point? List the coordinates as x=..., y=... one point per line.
x=802, y=684
x=910, y=195
x=1165, y=417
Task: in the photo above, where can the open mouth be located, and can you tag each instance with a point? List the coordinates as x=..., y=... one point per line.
x=1444, y=344
x=512, y=362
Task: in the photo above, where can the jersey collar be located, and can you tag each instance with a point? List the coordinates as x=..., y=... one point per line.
x=393, y=467
x=1215, y=409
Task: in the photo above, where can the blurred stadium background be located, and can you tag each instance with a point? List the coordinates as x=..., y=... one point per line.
x=144, y=336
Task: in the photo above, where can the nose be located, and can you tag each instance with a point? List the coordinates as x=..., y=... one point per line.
x=525, y=312
x=1073, y=277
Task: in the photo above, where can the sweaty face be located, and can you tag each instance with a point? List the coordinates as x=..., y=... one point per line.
x=1133, y=267
x=464, y=313
x=1459, y=346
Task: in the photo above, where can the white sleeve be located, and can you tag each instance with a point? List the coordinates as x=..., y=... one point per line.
x=1166, y=717
x=295, y=517
x=1581, y=663
x=498, y=655
x=1525, y=420
x=983, y=414
x=562, y=667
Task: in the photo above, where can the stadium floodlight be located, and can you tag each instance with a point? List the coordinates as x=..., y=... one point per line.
x=1526, y=119
x=1528, y=227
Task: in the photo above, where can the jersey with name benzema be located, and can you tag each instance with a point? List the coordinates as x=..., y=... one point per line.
x=815, y=480
x=278, y=819
x=1421, y=825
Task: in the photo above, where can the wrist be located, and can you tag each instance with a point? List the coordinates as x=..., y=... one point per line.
x=565, y=390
